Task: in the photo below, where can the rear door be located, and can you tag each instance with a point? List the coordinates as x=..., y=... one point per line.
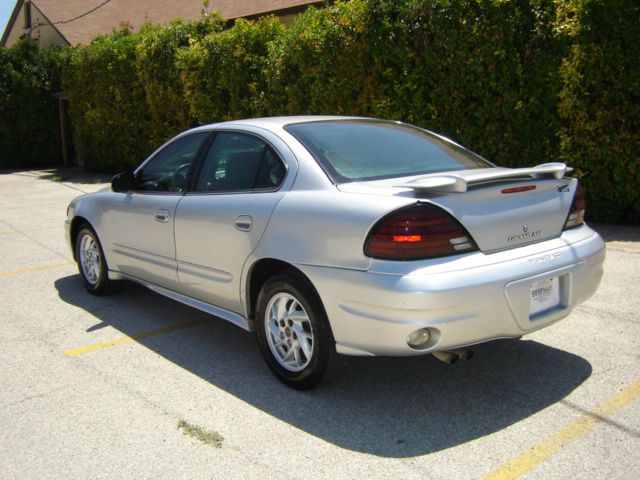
x=220, y=222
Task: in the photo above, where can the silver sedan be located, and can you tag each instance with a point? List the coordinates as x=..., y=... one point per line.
x=339, y=235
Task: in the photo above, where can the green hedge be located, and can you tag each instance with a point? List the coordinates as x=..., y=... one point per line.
x=600, y=104
x=163, y=82
x=224, y=73
x=520, y=81
x=126, y=92
x=108, y=105
x=29, y=124
x=482, y=72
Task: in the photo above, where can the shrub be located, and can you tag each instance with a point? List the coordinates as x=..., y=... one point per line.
x=522, y=82
x=29, y=125
x=108, y=106
x=600, y=103
x=162, y=81
x=223, y=74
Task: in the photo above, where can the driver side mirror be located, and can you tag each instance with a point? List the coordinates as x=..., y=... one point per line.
x=123, y=182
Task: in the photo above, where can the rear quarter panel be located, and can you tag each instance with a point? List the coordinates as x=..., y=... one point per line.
x=324, y=228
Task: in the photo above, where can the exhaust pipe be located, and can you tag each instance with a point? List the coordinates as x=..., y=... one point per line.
x=452, y=356
x=462, y=353
x=446, y=357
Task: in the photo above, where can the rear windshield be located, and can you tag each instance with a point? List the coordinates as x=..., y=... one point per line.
x=356, y=150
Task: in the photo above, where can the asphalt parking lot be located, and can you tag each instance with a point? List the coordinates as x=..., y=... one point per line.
x=96, y=387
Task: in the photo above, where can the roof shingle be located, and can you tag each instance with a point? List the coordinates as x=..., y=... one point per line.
x=115, y=12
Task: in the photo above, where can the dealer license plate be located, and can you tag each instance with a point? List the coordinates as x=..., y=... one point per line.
x=544, y=295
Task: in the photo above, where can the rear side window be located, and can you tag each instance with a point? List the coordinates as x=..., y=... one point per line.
x=240, y=162
x=353, y=150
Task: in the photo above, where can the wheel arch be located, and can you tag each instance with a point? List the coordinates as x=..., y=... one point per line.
x=260, y=272
x=76, y=224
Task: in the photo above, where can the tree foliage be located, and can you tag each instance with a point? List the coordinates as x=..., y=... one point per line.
x=600, y=104
x=29, y=125
x=522, y=82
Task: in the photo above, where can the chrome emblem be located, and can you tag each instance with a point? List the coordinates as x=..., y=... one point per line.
x=525, y=235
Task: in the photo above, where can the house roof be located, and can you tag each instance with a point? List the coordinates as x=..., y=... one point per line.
x=110, y=14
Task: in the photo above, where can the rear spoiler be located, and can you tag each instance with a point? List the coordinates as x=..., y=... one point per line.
x=453, y=182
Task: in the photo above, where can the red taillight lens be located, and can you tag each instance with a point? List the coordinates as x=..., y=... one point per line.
x=576, y=214
x=417, y=232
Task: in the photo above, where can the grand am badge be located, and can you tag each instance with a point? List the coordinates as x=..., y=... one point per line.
x=525, y=235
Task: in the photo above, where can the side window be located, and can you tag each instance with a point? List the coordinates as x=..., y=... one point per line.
x=240, y=162
x=167, y=171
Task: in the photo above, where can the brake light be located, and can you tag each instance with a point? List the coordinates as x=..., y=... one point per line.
x=576, y=214
x=526, y=188
x=417, y=232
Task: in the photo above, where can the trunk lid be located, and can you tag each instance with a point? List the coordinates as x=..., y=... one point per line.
x=501, y=208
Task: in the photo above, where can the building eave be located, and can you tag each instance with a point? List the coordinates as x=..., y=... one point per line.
x=49, y=23
x=11, y=22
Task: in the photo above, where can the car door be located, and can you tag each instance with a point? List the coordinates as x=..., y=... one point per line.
x=140, y=223
x=219, y=222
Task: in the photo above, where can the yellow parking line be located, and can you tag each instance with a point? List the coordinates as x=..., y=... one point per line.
x=579, y=427
x=34, y=269
x=119, y=341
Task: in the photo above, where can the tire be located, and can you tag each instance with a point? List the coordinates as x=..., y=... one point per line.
x=293, y=331
x=91, y=261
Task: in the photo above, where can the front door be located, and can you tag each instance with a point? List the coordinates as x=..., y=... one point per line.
x=142, y=221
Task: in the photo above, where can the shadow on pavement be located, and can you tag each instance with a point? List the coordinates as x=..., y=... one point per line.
x=72, y=175
x=618, y=233
x=389, y=407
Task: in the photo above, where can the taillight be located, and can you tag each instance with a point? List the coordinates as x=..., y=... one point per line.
x=576, y=214
x=417, y=232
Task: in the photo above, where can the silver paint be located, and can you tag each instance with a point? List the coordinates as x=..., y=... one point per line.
x=203, y=254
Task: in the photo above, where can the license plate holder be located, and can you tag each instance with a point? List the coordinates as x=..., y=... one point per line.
x=544, y=295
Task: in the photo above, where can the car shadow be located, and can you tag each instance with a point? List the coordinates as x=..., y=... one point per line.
x=618, y=233
x=389, y=407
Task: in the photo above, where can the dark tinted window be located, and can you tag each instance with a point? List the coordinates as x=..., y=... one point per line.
x=167, y=171
x=353, y=150
x=239, y=162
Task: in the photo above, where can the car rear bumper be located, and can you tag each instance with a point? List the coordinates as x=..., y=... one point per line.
x=473, y=299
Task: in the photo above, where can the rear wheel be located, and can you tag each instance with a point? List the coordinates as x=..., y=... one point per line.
x=293, y=331
x=91, y=261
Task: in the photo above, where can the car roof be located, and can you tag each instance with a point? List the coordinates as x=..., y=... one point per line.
x=278, y=122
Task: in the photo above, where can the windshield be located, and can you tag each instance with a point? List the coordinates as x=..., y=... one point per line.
x=355, y=150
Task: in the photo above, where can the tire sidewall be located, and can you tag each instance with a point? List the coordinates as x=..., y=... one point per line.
x=323, y=343
x=100, y=286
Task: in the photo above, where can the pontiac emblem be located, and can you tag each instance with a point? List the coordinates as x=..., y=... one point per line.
x=525, y=228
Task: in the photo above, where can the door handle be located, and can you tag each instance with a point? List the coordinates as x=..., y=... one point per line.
x=244, y=222
x=162, y=215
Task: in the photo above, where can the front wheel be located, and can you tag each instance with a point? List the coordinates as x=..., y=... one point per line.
x=293, y=331
x=91, y=261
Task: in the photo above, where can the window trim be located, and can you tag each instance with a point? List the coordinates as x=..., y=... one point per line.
x=165, y=145
x=202, y=155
